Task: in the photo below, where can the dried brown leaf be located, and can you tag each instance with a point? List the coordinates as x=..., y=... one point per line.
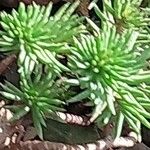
x=6, y=63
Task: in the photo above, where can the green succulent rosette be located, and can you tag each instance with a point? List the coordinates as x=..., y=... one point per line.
x=38, y=92
x=33, y=31
x=126, y=14
x=109, y=69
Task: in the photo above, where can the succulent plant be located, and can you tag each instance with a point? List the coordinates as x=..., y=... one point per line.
x=38, y=92
x=109, y=66
x=110, y=71
x=32, y=31
x=126, y=14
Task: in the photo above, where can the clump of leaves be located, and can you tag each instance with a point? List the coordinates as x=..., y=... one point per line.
x=125, y=14
x=109, y=69
x=108, y=66
x=38, y=93
x=33, y=32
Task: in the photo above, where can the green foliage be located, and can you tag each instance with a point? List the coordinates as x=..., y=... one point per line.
x=110, y=66
x=109, y=70
x=126, y=14
x=33, y=32
x=38, y=92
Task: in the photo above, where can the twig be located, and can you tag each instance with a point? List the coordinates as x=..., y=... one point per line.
x=129, y=141
x=98, y=145
x=74, y=119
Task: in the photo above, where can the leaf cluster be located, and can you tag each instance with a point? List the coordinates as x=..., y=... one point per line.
x=38, y=37
x=109, y=64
